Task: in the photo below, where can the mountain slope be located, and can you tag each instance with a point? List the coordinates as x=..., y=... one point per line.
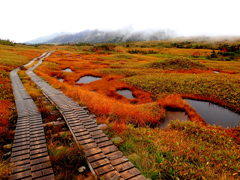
x=44, y=39
x=97, y=36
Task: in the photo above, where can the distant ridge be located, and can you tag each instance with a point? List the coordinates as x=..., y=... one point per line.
x=97, y=36
x=44, y=39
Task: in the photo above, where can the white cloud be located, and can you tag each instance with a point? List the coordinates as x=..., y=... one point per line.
x=27, y=19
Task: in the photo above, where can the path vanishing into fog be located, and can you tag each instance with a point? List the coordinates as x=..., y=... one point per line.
x=103, y=157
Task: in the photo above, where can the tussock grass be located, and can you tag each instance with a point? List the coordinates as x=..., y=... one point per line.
x=183, y=151
x=224, y=87
x=177, y=63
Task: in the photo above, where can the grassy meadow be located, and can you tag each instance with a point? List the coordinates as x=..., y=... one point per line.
x=160, y=74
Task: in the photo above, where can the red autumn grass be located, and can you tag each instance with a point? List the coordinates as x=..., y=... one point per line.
x=107, y=86
x=211, y=99
x=176, y=102
x=4, y=115
x=101, y=105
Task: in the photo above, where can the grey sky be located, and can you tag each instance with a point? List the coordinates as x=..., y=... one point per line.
x=23, y=20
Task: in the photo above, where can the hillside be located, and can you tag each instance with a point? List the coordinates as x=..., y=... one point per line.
x=97, y=36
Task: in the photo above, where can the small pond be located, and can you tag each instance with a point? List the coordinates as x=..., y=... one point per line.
x=126, y=93
x=87, y=79
x=67, y=70
x=216, y=72
x=173, y=115
x=214, y=114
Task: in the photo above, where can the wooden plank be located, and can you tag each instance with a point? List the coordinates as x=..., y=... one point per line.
x=42, y=173
x=97, y=136
x=80, y=138
x=21, y=175
x=38, y=138
x=109, y=149
x=139, y=177
x=39, y=155
x=93, y=151
x=119, y=161
x=99, y=163
x=104, y=144
x=42, y=141
x=21, y=136
x=86, y=141
x=40, y=160
x=20, y=157
x=36, y=151
x=124, y=166
x=114, y=155
x=21, y=144
x=20, y=148
x=17, y=153
x=93, y=127
x=80, y=127
x=38, y=146
x=41, y=166
x=16, y=141
x=95, y=133
x=20, y=163
x=89, y=146
x=130, y=173
x=17, y=169
x=96, y=157
x=113, y=175
x=82, y=133
x=104, y=169
x=102, y=139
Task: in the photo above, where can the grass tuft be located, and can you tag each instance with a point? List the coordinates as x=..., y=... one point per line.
x=177, y=63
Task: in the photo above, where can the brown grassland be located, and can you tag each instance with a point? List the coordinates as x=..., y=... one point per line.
x=160, y=74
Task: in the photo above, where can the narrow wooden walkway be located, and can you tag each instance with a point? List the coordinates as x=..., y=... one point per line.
x=104, y=158
x=29, y=158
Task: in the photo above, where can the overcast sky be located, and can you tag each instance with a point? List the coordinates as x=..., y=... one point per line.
x=23, y=20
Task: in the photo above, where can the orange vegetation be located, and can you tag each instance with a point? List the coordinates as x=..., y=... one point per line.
x=4, y=115
x=107, y=86
x=175, y=101
x=140, y=114
x=211, y=99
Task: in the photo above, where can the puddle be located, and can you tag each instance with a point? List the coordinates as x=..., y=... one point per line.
x=126, y=93
x=60, y=79
x=214, y=114
x=173, y=115
x=216, y=72
x=67, y=70
x=87, y=79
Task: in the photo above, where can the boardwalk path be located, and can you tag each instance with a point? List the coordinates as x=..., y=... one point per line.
x=29, y=158
x=104, y=158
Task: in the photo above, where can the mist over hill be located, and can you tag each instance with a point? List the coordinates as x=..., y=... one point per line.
x=99, y=36
x=44, y=39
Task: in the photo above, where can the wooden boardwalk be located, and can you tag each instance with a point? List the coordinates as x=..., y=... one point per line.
x=104, y=158
x=29, y=158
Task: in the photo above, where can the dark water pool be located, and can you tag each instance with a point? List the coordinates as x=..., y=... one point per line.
x=87, y=79
x=67, y=70
x=214, y=114
x=173, y=115
x=126, y=93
